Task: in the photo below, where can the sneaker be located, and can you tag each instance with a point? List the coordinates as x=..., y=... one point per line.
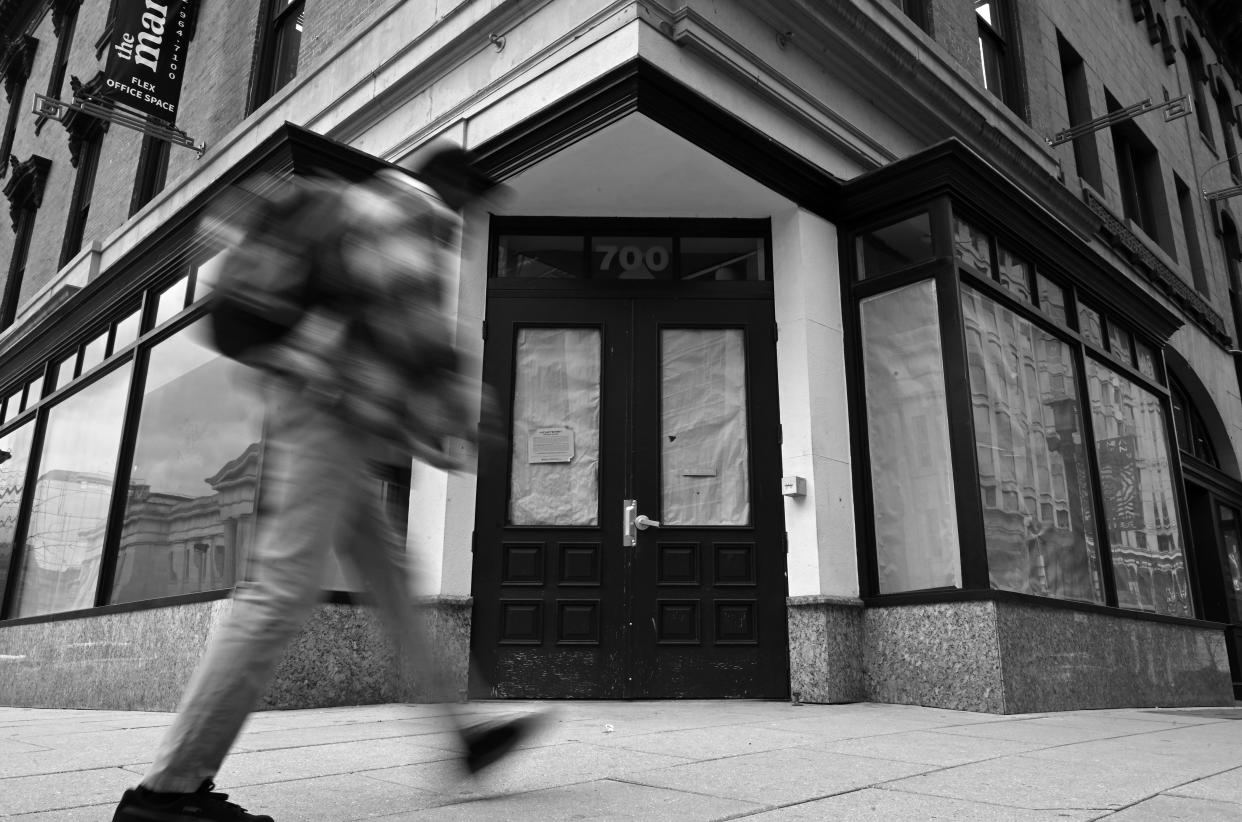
x=141, y=805
x=488, y=742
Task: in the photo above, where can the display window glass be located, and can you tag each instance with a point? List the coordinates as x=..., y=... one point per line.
x=73, y=491
x=1033, y=470
x=912, y=488
x=190, y=510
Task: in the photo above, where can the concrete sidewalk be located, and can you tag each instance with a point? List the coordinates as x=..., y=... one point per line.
x=761, y=761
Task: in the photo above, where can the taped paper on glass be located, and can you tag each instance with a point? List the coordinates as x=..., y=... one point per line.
x=556, y=389
x=551, y=445
x=705, y=460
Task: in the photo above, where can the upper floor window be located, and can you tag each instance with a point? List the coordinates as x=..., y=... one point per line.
x=1198, y=84
x=83, y=193
x=1142, y=188
x=64, y=22
x=916, y=10
x=15, y=64
x=1228, y=122
x=152, y=172
x=1078, y=104
x=25, y=194
x=998, y=51
x=280, y=42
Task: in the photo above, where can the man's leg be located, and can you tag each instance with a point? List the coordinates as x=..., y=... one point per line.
x=379, y=555
x=313, y=464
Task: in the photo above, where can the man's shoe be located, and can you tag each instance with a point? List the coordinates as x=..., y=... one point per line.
x=141, y=805
x=490, y=741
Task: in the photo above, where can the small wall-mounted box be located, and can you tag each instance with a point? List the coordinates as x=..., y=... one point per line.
x=793, y=486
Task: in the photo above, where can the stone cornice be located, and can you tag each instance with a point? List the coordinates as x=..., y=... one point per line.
x=24, y=190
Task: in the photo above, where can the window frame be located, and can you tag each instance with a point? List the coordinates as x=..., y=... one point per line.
x=272, y=55
x=83, y=193
x=1023, y=237
x=998, y=38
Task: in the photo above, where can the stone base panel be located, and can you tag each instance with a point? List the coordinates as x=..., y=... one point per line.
x=1002, y=657
x=142, y=660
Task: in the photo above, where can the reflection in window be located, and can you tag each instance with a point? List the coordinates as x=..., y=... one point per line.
x=908, y=435
x=554, y=475
x=539, y=257
x=69, y=510
x=189, y=514
x=1051, y=299
x=972, y=247
x=896, y=246
x=14, y=456
x=1089, y=325
x=1229, y=526
x=723, y=258
x=171, y=301
x=1015, y=274
x=1140, y=498
x=1028, y=435
x=704, y=459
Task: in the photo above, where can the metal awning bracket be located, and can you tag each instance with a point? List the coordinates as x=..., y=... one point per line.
x=110, y=112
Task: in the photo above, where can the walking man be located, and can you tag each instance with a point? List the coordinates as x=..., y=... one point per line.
x=355, y=277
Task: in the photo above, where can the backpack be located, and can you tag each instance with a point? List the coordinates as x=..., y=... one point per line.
x=276, y=271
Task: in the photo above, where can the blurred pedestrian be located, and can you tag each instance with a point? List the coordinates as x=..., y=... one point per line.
x=345, y=285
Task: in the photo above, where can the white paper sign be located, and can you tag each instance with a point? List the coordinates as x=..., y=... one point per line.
x=551, y=445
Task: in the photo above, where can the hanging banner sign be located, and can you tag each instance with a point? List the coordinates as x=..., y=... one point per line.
x=147, y=56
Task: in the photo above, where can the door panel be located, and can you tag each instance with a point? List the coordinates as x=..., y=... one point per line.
x=709, y=583
x=667, y=402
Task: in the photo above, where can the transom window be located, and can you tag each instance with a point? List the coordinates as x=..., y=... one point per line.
x=700, y=251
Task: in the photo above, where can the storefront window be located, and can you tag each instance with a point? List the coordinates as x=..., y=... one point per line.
x=69, y=510
x=1140, y=499
x=896, y=246
x=1033, y=473
x=915, y=515
x=14, y=458
x=705, y=461
x=554, y=474
x=189, y=514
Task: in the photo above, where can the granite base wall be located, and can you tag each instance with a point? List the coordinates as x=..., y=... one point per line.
x=142, y=660
x=825, y=649
x=1005, y=657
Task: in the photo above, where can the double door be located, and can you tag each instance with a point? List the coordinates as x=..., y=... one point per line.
x=629, y=540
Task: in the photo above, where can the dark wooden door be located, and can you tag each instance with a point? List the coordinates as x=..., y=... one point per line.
x=671, y=404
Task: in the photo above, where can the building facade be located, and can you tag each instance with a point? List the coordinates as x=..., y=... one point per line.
x=866, y=350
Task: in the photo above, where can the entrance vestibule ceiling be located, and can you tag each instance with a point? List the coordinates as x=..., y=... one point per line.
x=637, y=168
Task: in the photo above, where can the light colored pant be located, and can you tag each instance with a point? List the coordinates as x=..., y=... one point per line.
x=317, y=492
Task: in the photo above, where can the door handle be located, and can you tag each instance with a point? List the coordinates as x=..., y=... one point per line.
x=629, y=510
x=632, y=522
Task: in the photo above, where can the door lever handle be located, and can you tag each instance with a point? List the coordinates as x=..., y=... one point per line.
x=643, y=522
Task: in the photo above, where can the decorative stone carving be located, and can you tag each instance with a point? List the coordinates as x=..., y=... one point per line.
x=83, y=127
x=61, y=10
x=25, y=186
x=1118, y=234
x=16, y=62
